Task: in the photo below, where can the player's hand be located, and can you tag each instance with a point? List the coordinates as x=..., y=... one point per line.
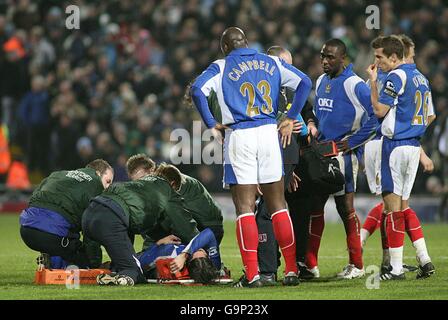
x=342, y=146
x=428, y=165
x=171, y=239
x=285, y=128
x=178, y=263
x=372, y=71
x=312, y=129
x=218, y=132
x=259, y=192
x=297, y=126
x=294, y=183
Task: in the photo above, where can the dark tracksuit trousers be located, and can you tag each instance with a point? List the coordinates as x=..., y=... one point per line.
x=301, y=204
x=105, y=222
x=70, y=248
x=268, y=253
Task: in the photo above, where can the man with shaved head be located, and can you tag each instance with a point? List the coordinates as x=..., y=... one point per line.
x=280, y=52
x=247, y=85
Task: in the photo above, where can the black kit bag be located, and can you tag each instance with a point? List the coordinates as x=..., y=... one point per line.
x=320, y=168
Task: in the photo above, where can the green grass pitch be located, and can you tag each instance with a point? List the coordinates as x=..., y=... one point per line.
x=18, y=266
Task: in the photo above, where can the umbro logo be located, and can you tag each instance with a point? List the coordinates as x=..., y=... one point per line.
x=331, y=169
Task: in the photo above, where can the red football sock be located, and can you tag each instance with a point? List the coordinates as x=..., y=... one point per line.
x=247, y=235
x=373, y=220
x=384, y=242
x=412, y=225
x=284, y=233
x=316, y=229
x=352, y=227
x=395, y=227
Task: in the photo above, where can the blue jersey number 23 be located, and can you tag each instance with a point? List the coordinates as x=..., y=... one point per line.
x=248, y=90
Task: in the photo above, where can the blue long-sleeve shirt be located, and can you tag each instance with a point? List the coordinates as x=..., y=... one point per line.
x=344, y=109
x=204, y=240
x=247, y=84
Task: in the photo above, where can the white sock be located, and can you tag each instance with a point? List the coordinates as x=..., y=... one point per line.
x=396, y=260
x=421, y=251
x=386, y=257
x=364, y=236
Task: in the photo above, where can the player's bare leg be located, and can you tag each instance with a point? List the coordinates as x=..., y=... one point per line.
x=346, y=210
x=243, y=197
x=281, y=222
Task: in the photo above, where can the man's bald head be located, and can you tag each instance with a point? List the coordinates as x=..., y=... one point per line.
x=280, y=52
x=233, y=38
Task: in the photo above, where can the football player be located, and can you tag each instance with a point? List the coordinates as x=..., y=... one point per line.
x=403, y=103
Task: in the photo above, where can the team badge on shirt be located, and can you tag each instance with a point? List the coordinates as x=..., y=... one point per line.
x=389, y=89
x=328, y=88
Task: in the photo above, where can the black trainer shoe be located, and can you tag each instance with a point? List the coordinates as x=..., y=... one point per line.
x=426, y=271
x=390, y=276
x=244, y=283
x=385, y=269
x=291, y=279
x=268, y=279
x=408, y=268
x=114, y=279
x=305, y=274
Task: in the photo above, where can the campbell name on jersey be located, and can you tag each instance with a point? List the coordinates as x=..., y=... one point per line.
x=247, y=86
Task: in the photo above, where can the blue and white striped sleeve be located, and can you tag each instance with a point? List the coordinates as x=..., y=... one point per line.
x=393, y=86
x=201, y=89
x=205, y=240
x=296, y=80
x=368, y=128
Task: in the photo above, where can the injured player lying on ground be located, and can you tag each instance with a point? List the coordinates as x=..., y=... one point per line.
x=198, y=262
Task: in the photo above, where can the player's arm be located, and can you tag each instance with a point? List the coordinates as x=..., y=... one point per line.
x=205, y=240
x=201, y=89
x=309, y=118
x=170, y=239
x=379, y=108
x=368, y=129
x=431, y=113
x=297, y=81
x=426, y=162
x=300, y=83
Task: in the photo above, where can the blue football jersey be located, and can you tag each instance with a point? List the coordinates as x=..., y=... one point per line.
x=380, y=78
x=407, y=92
x=247, y=85
x=343, y=108
x=205, y=240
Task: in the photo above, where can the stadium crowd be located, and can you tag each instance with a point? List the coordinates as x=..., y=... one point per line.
x=115, y=87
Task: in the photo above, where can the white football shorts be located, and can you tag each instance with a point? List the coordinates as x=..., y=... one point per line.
x=252, y=156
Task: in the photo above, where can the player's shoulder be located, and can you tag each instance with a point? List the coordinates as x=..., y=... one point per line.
x=319, y=80
x=274, y=59
x=217, y=66
x=397, y=74
x=219, y=62
x=353, y=82
x=417, y=72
